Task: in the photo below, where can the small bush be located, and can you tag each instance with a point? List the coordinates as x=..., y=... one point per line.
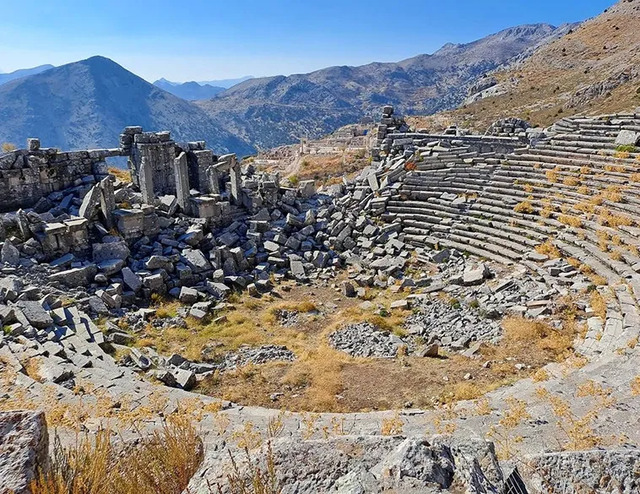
x=628, y=148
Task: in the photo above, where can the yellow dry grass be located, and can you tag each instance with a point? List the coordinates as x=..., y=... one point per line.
x=548, y=249
x=524, y=207
x=570, y=220
x=121, y=174
x=162, y=462
x=598, y=304
x=540, y=334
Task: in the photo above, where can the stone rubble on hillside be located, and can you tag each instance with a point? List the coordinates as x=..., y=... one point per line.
x=439, y=221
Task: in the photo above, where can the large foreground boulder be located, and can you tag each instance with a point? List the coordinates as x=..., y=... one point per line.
x=24, y=444
x=574, y=472
x=364, y=464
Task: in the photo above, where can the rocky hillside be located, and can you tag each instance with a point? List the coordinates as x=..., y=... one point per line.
x=276, y=110
x=592, y=69
x=190, y=91
x=87, y=104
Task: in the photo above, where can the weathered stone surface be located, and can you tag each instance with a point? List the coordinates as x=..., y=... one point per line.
x=383, y=464
x=131, y=279
x=35, y=314
x=188, y=295
x=10, y=254
x=575, y=472
x=196, y=260
x=628, y=138
x=24, y=444
x=185, y=379
x=90, y=203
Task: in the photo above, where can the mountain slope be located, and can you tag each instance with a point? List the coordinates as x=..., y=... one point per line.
x=276, y=110
x=87, y=104
x=593, y=69
x=17, y=74
x=190, y=91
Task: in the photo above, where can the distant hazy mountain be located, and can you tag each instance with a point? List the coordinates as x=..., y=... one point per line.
x=271, y=111
x=17, y=74
x=189, y=90
x=86, y=104
x=227, y=83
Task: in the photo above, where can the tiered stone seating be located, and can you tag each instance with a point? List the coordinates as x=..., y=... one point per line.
x=562, y=189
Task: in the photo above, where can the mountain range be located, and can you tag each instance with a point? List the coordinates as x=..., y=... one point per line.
x=86, y=104
x=189, y=90
x=270, y=111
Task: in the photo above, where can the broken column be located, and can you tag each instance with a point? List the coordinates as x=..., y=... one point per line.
x=107, y=201
x=235, y=173
x=213, y=179
x=145, y=178
x=181, y=173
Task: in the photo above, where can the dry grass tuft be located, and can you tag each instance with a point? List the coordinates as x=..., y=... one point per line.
x=7, y=147
x=527, y=332
x=120, y=174
x=552, y=176
x=607, y=218
x=567, y=219
x=548, y=249
x=524, y=207
x=392, y=426
x=612, y=193
x=598, y=304
x=162, y=463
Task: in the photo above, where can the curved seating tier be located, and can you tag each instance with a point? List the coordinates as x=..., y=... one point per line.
x=573, y=189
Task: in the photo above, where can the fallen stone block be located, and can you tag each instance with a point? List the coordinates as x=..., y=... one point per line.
x=131, y=279
x=24, y=449
x=188, y=295
x=75, y=276
x=37, y=316
x=185, y=379
x=10, y=254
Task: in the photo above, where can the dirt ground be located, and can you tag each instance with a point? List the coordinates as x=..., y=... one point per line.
x=324, y=379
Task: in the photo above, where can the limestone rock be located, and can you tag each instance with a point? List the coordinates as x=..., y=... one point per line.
x=383, y=464
x=24, y=444
x=10, y=254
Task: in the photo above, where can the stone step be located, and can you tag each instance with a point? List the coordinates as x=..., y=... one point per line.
x=433, y=242
x=583, y=137
x=544, y=154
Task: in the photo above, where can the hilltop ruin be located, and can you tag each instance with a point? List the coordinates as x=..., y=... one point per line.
x=464, y=230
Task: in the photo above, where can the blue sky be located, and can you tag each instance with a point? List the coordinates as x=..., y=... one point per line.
x=213, y=39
